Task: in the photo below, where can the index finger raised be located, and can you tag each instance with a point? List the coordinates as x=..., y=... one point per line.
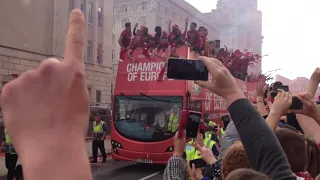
x=74, y=50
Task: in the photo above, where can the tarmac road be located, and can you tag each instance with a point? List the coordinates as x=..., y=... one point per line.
x=120, y=170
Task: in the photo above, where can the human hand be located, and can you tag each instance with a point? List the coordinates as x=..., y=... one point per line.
x=206, y=154
x=199, y=139
x=281, y=104
x=194, y=174
x=187, y=20
x=136, y=25
x=316, y=75
x=222, y=83
x=310, y=107
x=44, y=106
x=260, y=88
x=179, y=144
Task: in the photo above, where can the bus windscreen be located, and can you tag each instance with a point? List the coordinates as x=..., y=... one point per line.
x=147, y=118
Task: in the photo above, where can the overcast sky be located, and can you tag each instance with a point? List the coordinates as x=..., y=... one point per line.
x=291, y=34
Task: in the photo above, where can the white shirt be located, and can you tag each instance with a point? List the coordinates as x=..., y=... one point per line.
x=160, y=119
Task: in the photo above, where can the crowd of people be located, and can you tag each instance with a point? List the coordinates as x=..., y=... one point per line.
x=47, y=108
x=196, y=38
x=270, y=139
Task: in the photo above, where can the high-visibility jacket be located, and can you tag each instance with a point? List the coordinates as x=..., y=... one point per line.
x=192, y=153
x=173, y=123
x=10, y=148
x=222, y=131
x=98, y=129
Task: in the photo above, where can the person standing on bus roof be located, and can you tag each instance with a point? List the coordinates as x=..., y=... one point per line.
x=124, y=40
x=98, y=137
x=174, y=117
x=11, y=156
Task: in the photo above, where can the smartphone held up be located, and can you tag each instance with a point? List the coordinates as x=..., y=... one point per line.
x=189, y=121
x=296, y=103
x=186, y=69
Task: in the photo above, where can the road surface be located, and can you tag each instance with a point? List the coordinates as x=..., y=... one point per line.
x=119, y=170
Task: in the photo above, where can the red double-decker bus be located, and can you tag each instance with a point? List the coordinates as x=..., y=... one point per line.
x=140, y=129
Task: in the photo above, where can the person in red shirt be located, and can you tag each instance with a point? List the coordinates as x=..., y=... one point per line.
x=125, y=39
x=206, y=43
x=145, y=37
x=135, y=43
x=200, y=42
x=175, y=37
x=211, y=49
x=192, y=36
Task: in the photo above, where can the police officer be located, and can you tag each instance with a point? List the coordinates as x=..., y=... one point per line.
x=98, y=136
x=191, y=153
x=11, y=157
x=211, y=132
x=225, y=120
x=173, y=119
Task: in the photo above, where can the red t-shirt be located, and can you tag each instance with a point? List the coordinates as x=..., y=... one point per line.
x=159, y=39
x=145, y=39
x=126, y=37
x=171, y=41
x=136, y=42
x=193, y=37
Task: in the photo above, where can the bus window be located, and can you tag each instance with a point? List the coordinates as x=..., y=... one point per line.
x=147, y=118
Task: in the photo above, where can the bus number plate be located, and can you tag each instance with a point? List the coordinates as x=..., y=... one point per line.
x=147, y=161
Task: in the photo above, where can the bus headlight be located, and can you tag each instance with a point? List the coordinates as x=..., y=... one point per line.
x=169, y=149
x=115, y=145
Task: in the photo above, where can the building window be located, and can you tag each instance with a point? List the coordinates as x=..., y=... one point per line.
x=158, y=6
x=82, y=6
x=111, y=88
x=113, y=54
x=89, y=51
x=71, y=5
x=113, y=38
x=114, y=24
x=166, y=10
x=98, y=96
x=174, y=15
x=99, y=53
x=100, y=18
x=113, y=71
x=125, y=8
x=124, y=21
x=114, y=10
x=90, y=19
x=144, y=5
x=89, y=92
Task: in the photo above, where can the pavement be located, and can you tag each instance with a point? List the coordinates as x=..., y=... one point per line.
x=120, y=170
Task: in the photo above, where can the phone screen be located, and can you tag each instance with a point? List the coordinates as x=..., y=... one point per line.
x=193, y=125
x=198, y=163
x=296, y=103
x=185, y=69
x=285, y=88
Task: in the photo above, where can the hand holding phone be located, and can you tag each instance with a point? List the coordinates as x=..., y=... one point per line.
x=185, y=69
x=198, y=163
x=189, y=121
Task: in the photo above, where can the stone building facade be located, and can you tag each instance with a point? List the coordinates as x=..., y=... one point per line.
x=32, y=30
